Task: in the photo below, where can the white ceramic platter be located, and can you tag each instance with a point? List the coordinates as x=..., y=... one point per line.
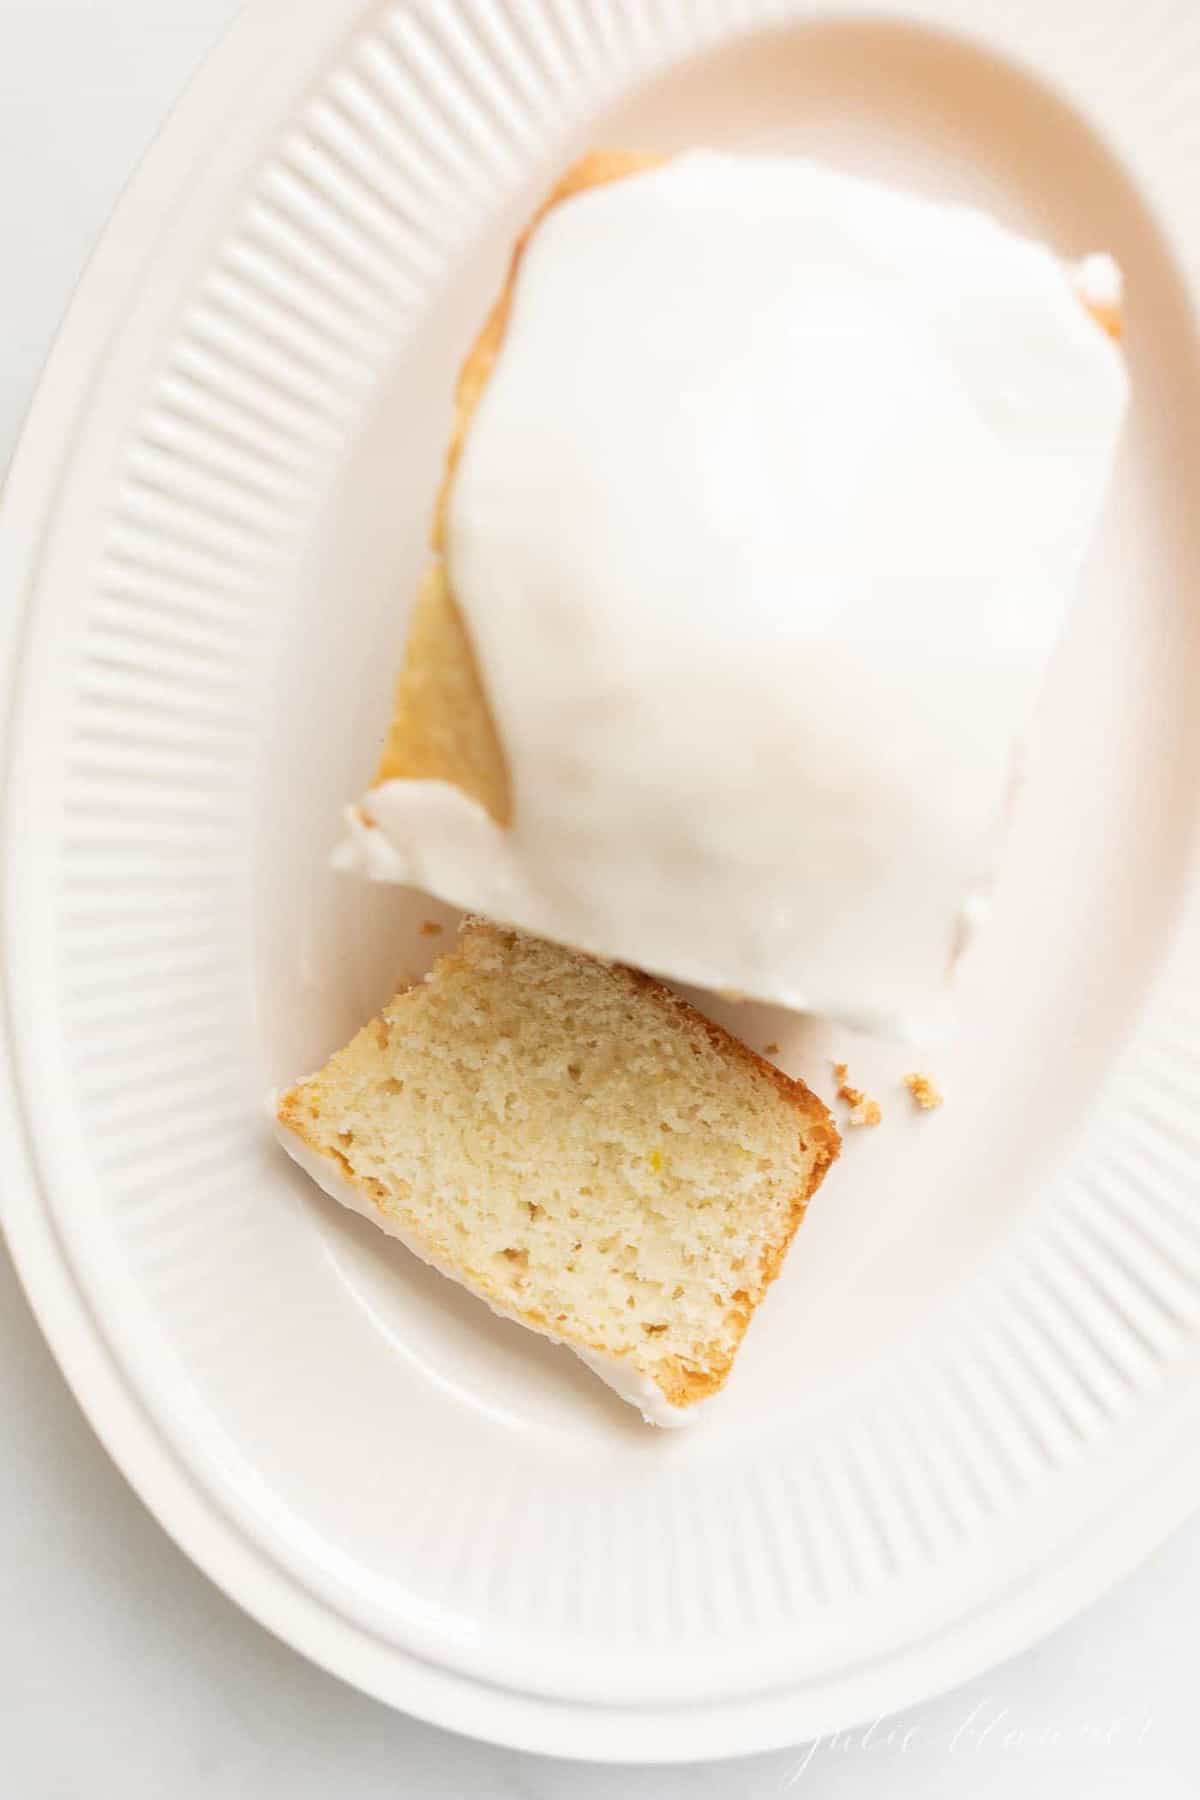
x=973, y=1399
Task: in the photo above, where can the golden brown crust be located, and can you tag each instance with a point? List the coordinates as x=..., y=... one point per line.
x=442, y=727
x=682, y=1383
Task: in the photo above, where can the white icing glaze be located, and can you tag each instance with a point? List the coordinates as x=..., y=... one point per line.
x=617, y=1371
x=1099, y=283
x=764, y=530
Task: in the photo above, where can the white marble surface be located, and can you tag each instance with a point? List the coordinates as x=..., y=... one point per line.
x=122, y=1672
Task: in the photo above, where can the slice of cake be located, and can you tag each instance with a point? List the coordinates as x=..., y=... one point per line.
x=580, y=1148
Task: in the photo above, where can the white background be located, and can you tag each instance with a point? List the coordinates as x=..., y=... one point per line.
x=123, y=1674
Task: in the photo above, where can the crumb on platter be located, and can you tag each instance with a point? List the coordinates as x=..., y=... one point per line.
x=863, y=1110
x=924, y=1090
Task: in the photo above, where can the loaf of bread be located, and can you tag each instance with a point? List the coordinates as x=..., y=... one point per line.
x=579, y=1147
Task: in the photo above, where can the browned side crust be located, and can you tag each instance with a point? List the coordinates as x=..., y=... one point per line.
x=442, y=727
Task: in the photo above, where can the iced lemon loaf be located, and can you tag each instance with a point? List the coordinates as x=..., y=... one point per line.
x=580, y=1148
x=767, y=492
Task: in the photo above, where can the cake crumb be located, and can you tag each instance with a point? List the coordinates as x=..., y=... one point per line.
x=863, y=1110
x=430, y=928
x=866, y=1111
x=771, y=1049
x=924, y=1090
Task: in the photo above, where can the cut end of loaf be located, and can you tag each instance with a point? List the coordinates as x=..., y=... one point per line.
x=579, y=1147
